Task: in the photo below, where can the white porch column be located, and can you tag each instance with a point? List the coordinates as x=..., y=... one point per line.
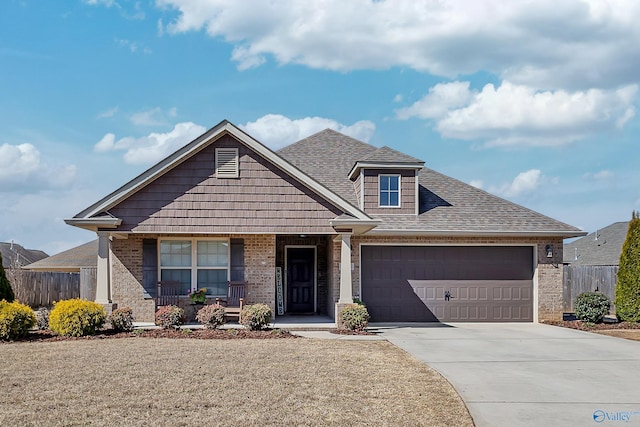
x=346, y=292
x=103, y=279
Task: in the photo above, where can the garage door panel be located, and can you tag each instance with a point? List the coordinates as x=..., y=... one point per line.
x=484, y=283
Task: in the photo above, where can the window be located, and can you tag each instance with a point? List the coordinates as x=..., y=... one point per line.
x=227, y=163
x=196, y=264
x=389, y=190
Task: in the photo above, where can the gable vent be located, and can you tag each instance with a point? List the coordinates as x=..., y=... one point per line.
x=227, y=163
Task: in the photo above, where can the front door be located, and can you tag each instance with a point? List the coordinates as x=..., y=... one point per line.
x=300, y=280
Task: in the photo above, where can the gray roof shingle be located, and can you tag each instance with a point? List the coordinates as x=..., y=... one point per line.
x=73, y=259
x=13, y=251
x=603, y=250
x=389, y=155
x=446, y=204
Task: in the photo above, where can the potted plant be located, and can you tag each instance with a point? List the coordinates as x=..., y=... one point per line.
x=198, y=296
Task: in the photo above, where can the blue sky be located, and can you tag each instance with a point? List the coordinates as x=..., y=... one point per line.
x=532, y=101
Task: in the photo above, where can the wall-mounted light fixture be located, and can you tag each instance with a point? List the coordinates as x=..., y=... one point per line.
x=549, y=250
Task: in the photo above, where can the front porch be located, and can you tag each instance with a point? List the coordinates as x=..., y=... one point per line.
x=296, y=275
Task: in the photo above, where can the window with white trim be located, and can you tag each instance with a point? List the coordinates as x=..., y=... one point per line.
x=389, y=190
x=227, y=163
x=196, y=264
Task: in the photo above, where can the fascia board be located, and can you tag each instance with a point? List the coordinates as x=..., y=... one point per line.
x=489, y=233
x=374, y=165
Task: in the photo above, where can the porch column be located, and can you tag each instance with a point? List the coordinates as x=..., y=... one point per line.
x=103, y=279
x=346, y=293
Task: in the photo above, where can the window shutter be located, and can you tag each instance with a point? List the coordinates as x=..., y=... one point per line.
x=227, y=162
x=237, y=260
x=150, y=267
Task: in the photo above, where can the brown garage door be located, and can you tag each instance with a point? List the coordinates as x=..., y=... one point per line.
x=448, y=283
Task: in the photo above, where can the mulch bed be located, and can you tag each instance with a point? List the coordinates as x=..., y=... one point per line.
x=584, y=326
x=206, y=334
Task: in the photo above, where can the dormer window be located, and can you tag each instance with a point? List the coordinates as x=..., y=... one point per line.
x=389, y=191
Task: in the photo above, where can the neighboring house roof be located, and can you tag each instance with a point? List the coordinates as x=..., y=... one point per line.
x=602, y=247
x=12, y=252
x=447, y=206
x=85, y=255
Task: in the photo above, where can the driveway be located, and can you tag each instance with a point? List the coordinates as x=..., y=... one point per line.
x=531, y=374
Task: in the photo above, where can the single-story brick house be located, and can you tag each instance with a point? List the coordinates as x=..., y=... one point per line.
x=340, y=219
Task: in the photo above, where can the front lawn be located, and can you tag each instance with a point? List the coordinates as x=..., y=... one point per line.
x=146, y=381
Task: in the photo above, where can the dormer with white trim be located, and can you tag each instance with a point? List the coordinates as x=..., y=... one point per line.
x=386, y=182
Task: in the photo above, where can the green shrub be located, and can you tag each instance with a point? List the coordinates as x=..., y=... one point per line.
x=170, y=316
x=628, y=285
x=211, y=316
x=15, y=320
x=354, y=317
x=592, y=306
x=6, y=293
x=76, y=317
x=256, y=316
x=42, y=318
x=122, y=319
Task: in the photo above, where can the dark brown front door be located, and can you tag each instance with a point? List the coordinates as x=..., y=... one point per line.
x=300, y=279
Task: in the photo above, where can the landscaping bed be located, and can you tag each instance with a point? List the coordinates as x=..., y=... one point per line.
x=627, y=330
x=223, y=334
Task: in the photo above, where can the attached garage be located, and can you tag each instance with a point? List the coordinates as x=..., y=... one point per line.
x=448, y=283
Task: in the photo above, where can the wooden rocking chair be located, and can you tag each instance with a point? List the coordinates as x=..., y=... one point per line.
x=235, y=299
x=168, y=293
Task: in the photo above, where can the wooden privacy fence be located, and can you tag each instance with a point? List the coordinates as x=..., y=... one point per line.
x=588, y=278
x=42, y=288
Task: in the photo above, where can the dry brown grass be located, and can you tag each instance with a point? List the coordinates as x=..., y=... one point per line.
x=153, y=382
x=630, y=334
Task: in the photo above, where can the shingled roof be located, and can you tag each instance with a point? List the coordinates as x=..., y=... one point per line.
x=446, y=204
x=85, y=255
x=389, y=155
x=13, y=252
x=602, y=247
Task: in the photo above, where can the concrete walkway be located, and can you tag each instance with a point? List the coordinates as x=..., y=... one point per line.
x=531, y=374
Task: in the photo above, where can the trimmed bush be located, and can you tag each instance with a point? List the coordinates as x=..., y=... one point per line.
x=256, y=316
x=122, y=319
x=627, y=299
x=6, y=293
x=592, y=306
x=211, y=316
x=354, y=317
x=42, y=318
x=170, y=316
x=76, y=317
x=15, y=320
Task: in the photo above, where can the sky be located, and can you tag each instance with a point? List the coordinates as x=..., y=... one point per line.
x=533, y=101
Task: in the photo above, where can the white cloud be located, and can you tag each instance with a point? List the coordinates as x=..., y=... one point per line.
x=153, y=147
x=476, y=183
x=277, y=131
x=21, y=169
x=545, y=44
x=523, y=184
x=133, y=46
x=599, y=176
x=441, y=98
x=106, y=3
x=511, y=115
x=108, y=113
x=153, y=117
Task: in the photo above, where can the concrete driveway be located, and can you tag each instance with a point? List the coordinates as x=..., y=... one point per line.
x=531, y=374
